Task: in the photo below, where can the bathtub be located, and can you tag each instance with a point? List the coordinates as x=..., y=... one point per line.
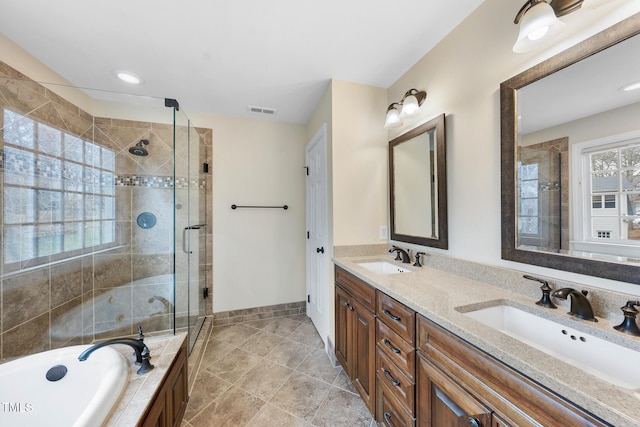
x=84, y=396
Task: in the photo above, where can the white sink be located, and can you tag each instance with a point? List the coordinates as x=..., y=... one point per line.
x=611, y=362
x=383, y=267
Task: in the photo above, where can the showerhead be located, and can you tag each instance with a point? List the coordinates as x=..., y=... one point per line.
x=138, y=149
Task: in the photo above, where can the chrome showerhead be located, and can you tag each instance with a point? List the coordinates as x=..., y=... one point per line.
x=138, y=149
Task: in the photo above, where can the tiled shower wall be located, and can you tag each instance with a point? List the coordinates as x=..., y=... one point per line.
x=101, y=294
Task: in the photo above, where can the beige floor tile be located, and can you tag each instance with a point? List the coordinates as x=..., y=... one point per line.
x=344, y=382
x=234, y=365
x=288, y=353
x=282, y=326
x=342, y=409
x=318, y=365
x=264, y=380
x=234, y=409
x=235, y=335
x=301, y=396
x=258, y=324
x=215, y=351
x=261, y=343
x=270, y=416
x=206, y=389
x=306, y=334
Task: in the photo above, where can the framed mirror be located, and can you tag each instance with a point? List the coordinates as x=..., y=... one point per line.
x=570, y=141
x=418, y=185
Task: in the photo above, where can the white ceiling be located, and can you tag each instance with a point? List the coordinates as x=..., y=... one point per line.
x=220, y=57
x=584, y=89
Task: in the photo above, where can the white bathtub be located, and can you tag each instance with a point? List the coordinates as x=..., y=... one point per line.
x=85, y=395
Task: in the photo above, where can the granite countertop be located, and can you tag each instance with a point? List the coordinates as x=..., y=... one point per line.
x=436, y=294
x=137, y=396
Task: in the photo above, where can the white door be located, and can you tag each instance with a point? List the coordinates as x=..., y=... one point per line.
x=318, y=254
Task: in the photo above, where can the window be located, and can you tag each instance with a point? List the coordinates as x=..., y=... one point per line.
x=611, y=182
x=528, y=214
x=58, y=193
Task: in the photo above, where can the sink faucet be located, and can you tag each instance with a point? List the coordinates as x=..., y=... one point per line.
x=400, y=251
x=580, y=306
x=142, y=352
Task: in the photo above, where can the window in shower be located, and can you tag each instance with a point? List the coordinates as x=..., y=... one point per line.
x=58, y=193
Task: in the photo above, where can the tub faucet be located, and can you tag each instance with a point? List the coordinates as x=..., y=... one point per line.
x=400, y=251
x=142, y=352
x=580, y=306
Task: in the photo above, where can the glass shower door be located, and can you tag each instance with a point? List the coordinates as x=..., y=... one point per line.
x=190, y=229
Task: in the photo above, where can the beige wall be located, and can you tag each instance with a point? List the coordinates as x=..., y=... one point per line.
x=462, y=75
x=258, y=254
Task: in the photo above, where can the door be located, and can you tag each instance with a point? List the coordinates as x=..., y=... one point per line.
x=317, y=251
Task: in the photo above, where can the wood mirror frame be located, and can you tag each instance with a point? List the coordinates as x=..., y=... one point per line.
x=509, y=140
x=441, y=240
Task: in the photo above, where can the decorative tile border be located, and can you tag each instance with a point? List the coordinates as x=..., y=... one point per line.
x=258, y=313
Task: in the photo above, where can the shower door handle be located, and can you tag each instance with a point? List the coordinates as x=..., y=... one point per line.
x=184, y=236
x=184, y=240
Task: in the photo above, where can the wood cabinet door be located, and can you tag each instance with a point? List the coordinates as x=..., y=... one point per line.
x=443, y=403
x=364, y=353
x=342, y=325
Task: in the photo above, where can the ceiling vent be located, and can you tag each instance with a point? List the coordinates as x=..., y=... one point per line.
x=262, y=110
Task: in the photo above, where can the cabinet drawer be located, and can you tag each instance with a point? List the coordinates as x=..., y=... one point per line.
x=390, y=412
x=400, y=385
x=395, y=348
x=400, y=318
x=365, y=294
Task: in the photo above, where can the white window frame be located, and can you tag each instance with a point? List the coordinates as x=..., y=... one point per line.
x=580, y=195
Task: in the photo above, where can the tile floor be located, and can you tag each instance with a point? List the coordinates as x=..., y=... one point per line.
x=272, y=372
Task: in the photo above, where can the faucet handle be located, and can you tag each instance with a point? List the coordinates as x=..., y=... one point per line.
x=629, y=325
x=417, y=263
x=545, y=300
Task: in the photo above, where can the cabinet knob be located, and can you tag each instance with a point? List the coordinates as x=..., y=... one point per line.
x=473, y=422
x=320, y=250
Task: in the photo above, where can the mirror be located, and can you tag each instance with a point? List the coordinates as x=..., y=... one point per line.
x=418, y=185
x=570, y=140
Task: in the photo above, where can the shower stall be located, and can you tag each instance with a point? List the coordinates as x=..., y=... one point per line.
x=104, y=216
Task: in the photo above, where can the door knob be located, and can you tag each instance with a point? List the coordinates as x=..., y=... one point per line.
x=320, y=250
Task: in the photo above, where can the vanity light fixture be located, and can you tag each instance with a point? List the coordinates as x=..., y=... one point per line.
x=409, y=106
x=539, y=21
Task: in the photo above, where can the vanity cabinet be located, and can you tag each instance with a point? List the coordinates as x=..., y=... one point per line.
x=170, y=402
x=355, y=333
x=457, y=384
x=395, y=362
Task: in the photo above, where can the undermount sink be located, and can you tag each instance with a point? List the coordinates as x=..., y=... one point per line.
x=608, y=361
x=383, y=267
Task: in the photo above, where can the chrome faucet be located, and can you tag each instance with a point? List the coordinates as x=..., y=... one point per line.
x=142, y=352
x=580, y=306
x=400, y=251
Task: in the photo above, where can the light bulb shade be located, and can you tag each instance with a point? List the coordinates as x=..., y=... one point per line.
x=410, y=106
x=593, y=4
x=539, y=22
x=393, y=118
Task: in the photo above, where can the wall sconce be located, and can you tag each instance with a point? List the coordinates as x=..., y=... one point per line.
x=539, y=21
x=410, y=105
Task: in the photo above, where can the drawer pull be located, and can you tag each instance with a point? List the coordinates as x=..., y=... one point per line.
x=474, y=422
x=387, y=419
x=388, y=313
x=346, y=304
x=388, y=344
x=387, y=373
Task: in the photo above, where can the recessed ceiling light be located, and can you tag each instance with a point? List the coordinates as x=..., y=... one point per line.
x=128, y=77
x=630, y=87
